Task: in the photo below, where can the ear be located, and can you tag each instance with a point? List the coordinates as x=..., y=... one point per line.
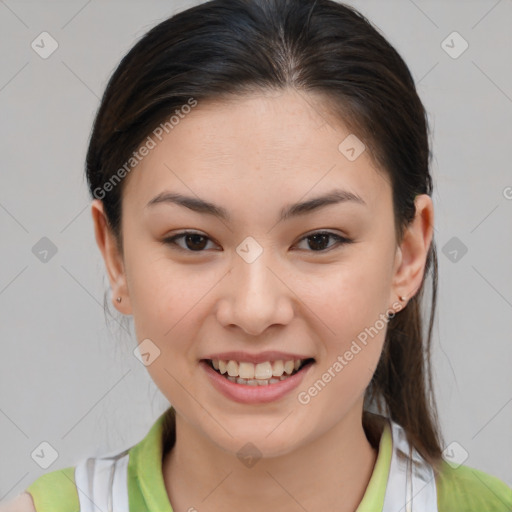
x=113, y=259
x=411, y=256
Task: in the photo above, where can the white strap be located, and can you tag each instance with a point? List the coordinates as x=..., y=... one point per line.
x=411, y=483
x=102, y=483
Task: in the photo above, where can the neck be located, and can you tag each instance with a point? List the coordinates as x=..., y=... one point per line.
x=332, y=472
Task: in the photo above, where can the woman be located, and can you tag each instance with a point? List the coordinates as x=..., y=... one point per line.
x=262, y=200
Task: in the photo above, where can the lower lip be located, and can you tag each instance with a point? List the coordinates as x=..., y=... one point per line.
x=246, y=394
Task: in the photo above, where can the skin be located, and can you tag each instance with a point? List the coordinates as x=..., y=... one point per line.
x=21, y=503
x=254, y=156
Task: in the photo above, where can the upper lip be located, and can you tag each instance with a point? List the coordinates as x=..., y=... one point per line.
x=270, y=355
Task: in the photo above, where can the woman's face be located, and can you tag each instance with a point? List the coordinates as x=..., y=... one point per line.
x=256, y=282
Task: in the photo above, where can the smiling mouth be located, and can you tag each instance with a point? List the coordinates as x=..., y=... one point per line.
x=261, y=374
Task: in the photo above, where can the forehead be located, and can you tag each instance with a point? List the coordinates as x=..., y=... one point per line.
x=276, y=144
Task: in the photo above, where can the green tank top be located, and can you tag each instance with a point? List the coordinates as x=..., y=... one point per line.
x=458, y=489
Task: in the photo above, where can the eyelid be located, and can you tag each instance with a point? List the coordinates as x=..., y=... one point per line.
x=324, y=231
x=341, y=240
x=170, y=240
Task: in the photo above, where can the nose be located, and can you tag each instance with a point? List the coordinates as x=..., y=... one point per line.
x=255, y=296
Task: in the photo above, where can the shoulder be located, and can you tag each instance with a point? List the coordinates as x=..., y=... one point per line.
x=22, y=503
x=54, y=491
x=467, y=489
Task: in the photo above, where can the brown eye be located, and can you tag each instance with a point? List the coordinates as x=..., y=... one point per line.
x=194, y=242
x=318, y=242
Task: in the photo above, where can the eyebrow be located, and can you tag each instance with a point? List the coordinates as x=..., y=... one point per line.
x=201, y=206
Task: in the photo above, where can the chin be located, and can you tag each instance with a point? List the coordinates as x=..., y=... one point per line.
x=256, y=440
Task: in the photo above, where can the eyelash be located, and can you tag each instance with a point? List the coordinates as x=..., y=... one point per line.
x=340, y=240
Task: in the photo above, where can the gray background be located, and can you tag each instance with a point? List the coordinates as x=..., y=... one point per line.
x=69, y=378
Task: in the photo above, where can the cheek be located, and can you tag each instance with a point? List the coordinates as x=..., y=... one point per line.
x=350, y=301
x=349, y=296
x=165, y=305
x=170, y=301
x=161, y=293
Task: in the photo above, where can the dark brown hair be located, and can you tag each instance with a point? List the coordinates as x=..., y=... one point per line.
x=228, y=48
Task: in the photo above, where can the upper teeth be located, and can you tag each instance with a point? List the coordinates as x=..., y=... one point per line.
x=247, y=370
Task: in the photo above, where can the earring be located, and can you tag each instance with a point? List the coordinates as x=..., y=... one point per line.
x=119, y=299
x=402, y=298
